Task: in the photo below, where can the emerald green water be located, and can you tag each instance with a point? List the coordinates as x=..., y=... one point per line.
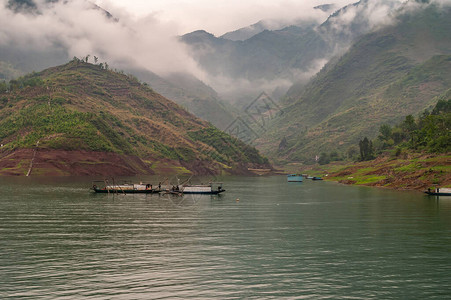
x=314, y=240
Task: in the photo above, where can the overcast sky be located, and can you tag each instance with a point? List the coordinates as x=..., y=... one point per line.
x=219, y=16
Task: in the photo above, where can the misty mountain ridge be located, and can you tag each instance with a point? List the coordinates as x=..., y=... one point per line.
x=246, y=33
x=387, y=74
x=262, y=25
x=272, y=60
x=31, y=7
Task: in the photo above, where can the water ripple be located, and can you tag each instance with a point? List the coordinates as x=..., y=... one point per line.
x=294, y=242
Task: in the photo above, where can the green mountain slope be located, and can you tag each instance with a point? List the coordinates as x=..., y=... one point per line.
x=83, y=107
x=385, y=76
x=191, y=93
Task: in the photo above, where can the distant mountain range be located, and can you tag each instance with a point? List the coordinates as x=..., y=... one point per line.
x=246, y=62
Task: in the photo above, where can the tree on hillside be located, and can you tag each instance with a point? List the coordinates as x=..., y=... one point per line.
x=442, y=106
x=324, y=159
x=3, y=86
x=283, y=144
x=366, y=149
x=409, y=126
x=398, y=135
x=385, y=132
x=352, y=152
x=385, y=139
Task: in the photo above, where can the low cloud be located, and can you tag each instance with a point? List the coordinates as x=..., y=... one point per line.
x=245, y=90
x=219, y=17
x=368, y=15
x=83, y=28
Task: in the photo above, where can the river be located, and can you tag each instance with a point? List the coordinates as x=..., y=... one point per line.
x=263, y=238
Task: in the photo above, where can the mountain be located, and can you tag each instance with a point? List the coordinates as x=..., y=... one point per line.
x=83, y=119
x=326, y=7
x=246, y=32
x=386, y=75
x=240, y=70
x=191, y=93
x=269, y=54
x=17, y=59
x=345, y=25
x=256, y=59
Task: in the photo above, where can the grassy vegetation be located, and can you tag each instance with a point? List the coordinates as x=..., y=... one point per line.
x=60, y=128
x=416, y=171
x=227, y=147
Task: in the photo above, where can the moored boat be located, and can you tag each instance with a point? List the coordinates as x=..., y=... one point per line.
x=125, y=188
x=294, y=178
x=316, y=178
x=212, y=188
x=439, y=192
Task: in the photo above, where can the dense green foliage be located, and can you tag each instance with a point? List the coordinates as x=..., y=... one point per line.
x=227, y=147
x=60, y=128
x=430, y=132
x=31, y=80
x=366, y=149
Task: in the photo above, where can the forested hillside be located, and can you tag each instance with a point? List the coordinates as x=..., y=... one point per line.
x=85, y=107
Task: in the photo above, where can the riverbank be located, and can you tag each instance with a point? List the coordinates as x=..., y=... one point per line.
x=55, y=162
x=411, y=171
x=414, y=171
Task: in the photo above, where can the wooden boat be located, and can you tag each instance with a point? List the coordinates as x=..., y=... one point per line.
x=212, y=188
x=125, y=188
x=294, y=178
x=439, y=192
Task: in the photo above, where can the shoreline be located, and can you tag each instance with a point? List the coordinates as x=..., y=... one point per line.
x=56, y=162
x=408, y=172
x=413, y=172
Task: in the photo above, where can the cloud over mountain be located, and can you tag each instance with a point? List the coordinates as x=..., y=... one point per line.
x=79, y=28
